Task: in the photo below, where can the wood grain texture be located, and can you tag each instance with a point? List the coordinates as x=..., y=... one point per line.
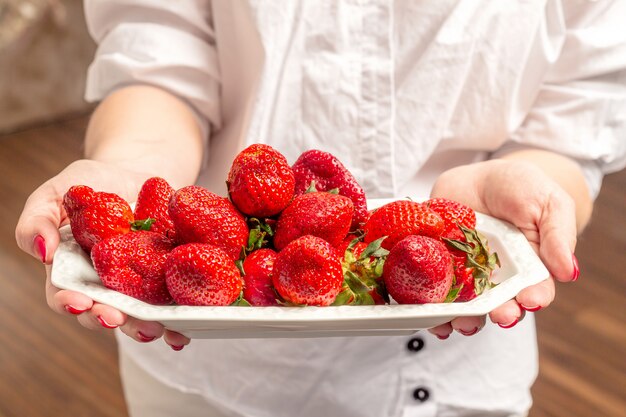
x=51, y=366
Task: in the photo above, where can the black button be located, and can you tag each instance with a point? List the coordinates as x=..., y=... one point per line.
x=421, y=394
x=416, y=344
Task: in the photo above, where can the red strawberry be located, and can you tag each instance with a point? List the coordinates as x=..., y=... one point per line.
x=200, y=274
x=418, y=270
x=200, y=216
x=329, y=173
x=152, y=203
x=320, y=214
x=258, y=288
x=96, y=216
x=260, y=182
x=402, y=218
x=133, y=264
x=474, y=264
x=308, y=272
x=452, y=213
x=355, y=248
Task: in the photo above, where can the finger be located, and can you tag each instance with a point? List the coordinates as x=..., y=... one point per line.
x=557, y=236
x=101, y=317
x=64, y=301
x=443, y=331
x=468, y=326
x=142, y=331
x=507, y=315
x=176, y=340
x=537, y=296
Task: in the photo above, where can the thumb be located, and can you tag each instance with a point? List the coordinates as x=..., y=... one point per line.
x=557, y=237
x=37, y=230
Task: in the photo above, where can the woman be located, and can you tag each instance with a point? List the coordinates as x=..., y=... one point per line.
x=514, y=109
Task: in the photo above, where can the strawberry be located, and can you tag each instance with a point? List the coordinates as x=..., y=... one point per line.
x=308, y=272
x=362, y=269
x=133, y=264
x=453, y=214
x=152, y=203
x=353, y=244
x=328, y=173
x=200, y=274
x=260, y=182
x=402, y=218
x=258, y=289
x=320, y=214
x=96, y=216
x=201, y=216
x=418, y=270
x=473, y=264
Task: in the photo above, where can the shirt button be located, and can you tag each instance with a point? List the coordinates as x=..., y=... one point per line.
x=421, y=394
x=415, y=344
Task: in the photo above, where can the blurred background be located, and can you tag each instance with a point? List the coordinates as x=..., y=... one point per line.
x=51, y=366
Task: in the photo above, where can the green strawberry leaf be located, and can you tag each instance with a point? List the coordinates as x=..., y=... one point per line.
x=144, y=224
x=374, y=249
x=240, y=301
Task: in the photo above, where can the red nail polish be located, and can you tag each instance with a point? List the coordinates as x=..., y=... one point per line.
x=470, y=333
x=576, y=273
x=104, y=324
x=531, y=309
x=145, y=338
x=40, y=245
x=73, y=310
x=442, y=337
x=508, y=326
x=177, y=348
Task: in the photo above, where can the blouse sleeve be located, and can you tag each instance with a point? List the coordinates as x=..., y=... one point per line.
x=165, y=43
x=580, y=110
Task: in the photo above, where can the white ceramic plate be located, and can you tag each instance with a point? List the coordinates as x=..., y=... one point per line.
x=72, y=270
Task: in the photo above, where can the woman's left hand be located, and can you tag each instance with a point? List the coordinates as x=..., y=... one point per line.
x=522, y=194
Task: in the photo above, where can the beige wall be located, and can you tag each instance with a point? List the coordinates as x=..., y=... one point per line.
x=44, y=54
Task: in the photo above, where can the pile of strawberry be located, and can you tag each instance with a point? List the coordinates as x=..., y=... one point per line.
x=287, y=235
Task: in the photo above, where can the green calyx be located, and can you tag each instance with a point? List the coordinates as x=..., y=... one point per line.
x=240, y=301
x=259, y=235
x=145, y=224
x=362, y=277
x=477, y=257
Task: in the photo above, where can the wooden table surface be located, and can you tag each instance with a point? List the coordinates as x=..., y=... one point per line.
x=51, y=366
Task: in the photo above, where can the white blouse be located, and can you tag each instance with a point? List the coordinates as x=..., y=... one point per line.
x=399, y=91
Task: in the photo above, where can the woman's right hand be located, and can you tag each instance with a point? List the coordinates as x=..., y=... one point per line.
x=37, y=233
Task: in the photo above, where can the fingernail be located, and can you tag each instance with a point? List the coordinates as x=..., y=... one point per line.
x=531, y=309
x=471, y=332
x=73, y=310
x=145, y=338
x=177, y=347
x=442, y=337
x=511, y=324
x=576, y=273
x=40, y=245
x=104, y=323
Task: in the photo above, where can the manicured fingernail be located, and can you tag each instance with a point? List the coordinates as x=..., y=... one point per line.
x=531, y=309
x=104, y=323
x=508, y=326
x=73, y=310
x=177, y=347
x=442, y=336
x=40, y=245
x=576, y=273
x=471, y=332
x=145, y=338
